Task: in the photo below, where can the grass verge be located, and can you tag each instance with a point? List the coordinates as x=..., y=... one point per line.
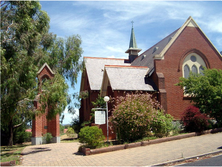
x=11, y=153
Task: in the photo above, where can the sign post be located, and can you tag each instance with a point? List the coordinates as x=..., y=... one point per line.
x=106, y=99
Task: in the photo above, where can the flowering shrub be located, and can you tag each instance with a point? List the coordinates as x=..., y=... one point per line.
x=91, y=137
x=194, y=120
x=134, y=114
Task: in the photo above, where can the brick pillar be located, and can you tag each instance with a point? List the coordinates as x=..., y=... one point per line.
x=54, y=129
x=37, y=126
x=162, y=91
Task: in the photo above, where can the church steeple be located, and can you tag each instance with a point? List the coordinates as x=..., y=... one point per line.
x=133, y=50
x=132, y=43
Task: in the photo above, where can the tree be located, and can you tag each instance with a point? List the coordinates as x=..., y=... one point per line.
x=26, y=45
x=206, y=92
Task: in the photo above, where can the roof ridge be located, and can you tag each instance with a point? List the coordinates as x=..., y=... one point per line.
x=125, y=66
x=104, y=58
x=45, y=65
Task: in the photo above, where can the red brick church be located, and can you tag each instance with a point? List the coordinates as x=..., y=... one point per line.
x=157, y=69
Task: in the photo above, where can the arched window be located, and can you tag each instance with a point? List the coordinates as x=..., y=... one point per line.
x=201, y=70
x=186, y=71
x=194, y=69
x=193, y=62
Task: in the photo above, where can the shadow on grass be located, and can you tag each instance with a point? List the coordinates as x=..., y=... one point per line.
x=11, y=148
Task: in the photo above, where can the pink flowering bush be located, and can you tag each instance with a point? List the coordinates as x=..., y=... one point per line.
x=194, y=120
x=134, y=115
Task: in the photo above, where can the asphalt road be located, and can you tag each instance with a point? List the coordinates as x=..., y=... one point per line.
x=214, y=161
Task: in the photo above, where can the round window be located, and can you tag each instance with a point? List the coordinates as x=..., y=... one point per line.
x=193, y=58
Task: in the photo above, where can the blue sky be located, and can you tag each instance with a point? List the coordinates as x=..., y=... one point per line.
x=105, y=26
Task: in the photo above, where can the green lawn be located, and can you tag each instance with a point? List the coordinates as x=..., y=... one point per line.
x=68, y=139
x=12, y=153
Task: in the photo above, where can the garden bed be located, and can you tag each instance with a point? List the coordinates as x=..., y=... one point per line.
x=88, y=151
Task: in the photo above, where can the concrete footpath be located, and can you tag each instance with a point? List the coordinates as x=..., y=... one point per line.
x=65, y=154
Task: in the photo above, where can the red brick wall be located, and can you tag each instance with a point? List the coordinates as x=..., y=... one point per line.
x=86, y=104
x=190, y=40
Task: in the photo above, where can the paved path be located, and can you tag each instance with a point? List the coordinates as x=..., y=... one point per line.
x=64, y=154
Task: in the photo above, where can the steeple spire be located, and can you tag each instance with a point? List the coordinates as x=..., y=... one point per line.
x=132, y=43
x=133, y=50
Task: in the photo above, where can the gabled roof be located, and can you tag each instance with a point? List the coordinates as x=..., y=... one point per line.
x=189, y=23
x=158, y=50
x=128, y=78
x=95, y=66
x=47, y=66
x=147, y=57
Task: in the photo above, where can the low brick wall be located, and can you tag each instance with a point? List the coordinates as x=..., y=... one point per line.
x=88, y=151
x=11, y=163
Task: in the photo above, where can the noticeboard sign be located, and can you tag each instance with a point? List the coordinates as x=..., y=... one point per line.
x=100, y=117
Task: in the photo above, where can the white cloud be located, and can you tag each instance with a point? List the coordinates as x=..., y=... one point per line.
x=105, y=26
x=213, y=24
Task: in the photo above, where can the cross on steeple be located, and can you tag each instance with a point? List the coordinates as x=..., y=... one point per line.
x=132, y=23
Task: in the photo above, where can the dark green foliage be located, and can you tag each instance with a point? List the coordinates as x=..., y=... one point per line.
x=77, y=125
x=55, y=96
x=206, y=91
x=22, y=136
x=91, y=137
x=22, y=25
x=26, y=45
x=47, y=137
x=99, y=103
x=193, y=120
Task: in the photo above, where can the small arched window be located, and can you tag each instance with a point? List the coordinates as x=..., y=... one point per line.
x=201, y=70
x=186, y=71
x=194, y=69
